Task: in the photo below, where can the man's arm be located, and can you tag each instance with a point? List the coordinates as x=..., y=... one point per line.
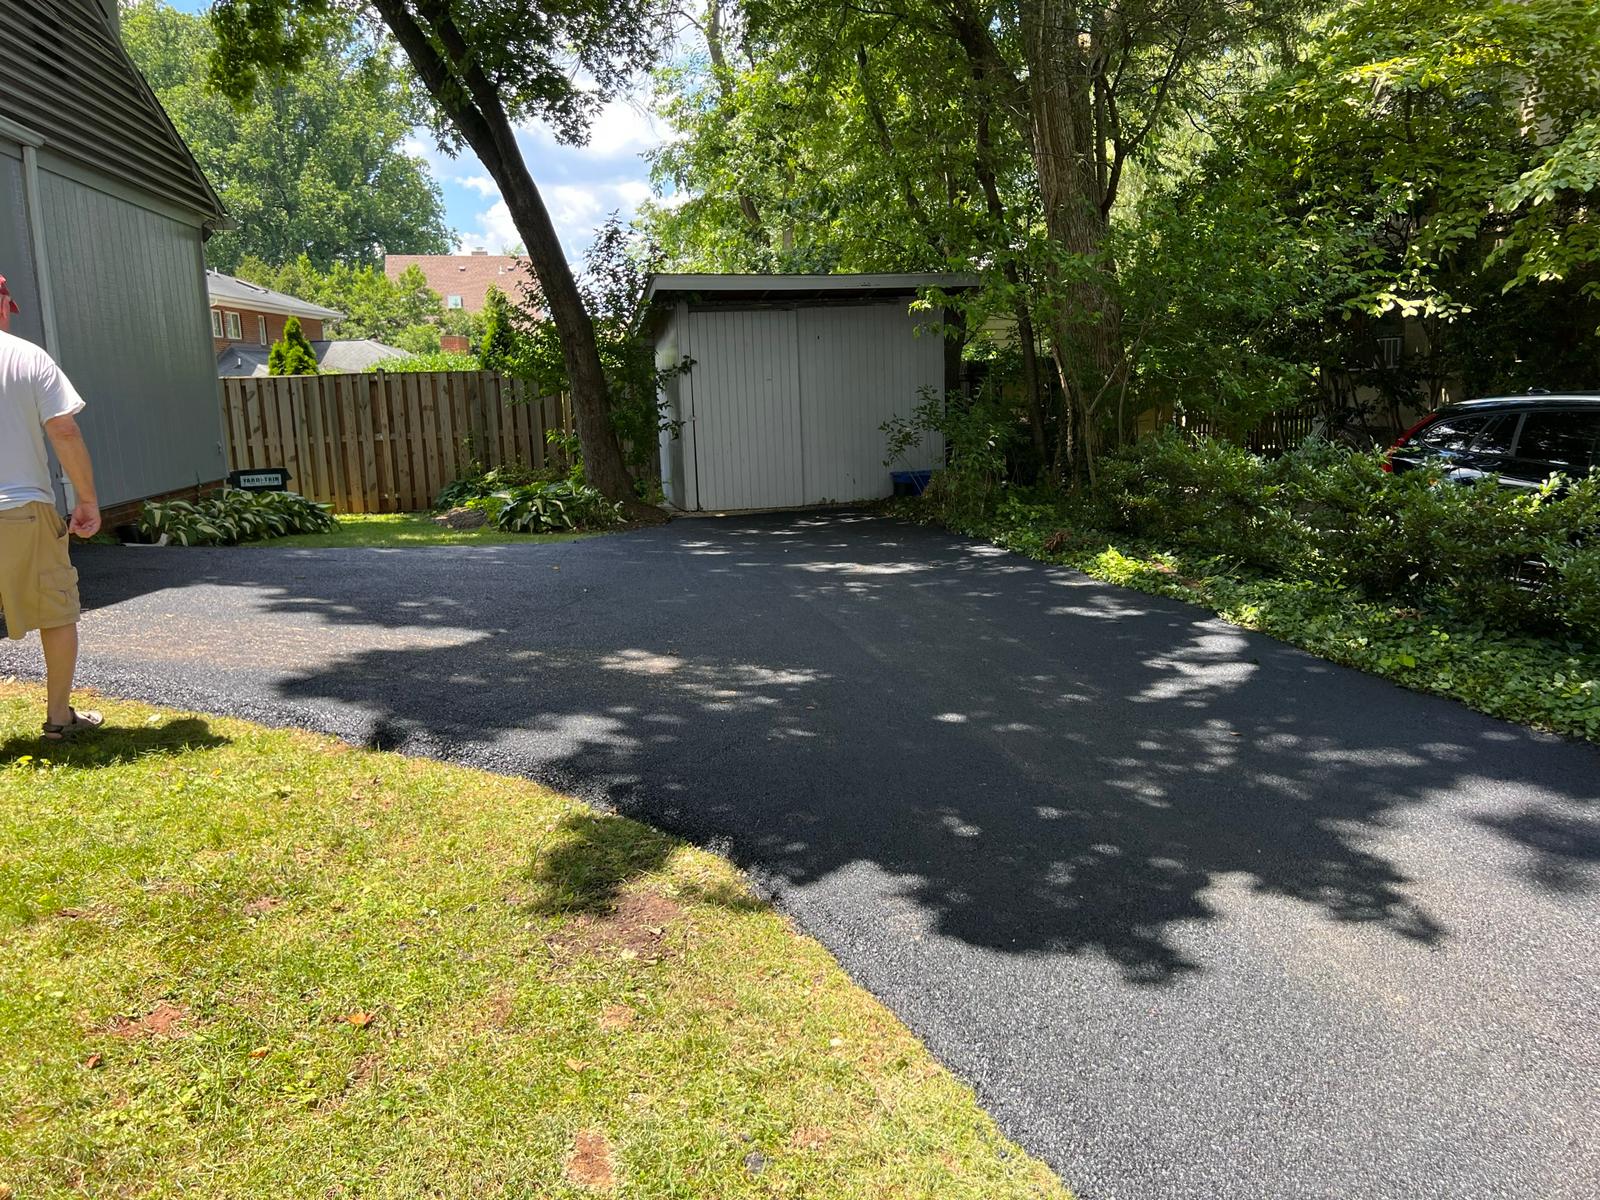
x=66, y=439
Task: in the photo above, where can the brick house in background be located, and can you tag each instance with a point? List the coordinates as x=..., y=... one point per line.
x=250, y=314
x=463, y=280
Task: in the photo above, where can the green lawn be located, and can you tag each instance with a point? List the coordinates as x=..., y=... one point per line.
x=238, y=962
x=409, y=529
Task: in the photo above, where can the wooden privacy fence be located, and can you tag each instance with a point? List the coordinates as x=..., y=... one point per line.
x=1279, y=433
x=385, y=442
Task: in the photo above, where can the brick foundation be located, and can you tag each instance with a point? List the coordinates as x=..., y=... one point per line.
x=127, y=512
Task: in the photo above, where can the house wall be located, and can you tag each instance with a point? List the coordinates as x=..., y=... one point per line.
x=250, y=328
x=468, y=276
x=130, y=315
x=16, y=247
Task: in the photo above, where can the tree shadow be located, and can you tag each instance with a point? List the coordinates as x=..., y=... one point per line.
x=589, y=859
x=113, y=745
x=979, y=746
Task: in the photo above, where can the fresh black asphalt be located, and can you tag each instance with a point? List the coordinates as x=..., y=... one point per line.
x=1197, y=914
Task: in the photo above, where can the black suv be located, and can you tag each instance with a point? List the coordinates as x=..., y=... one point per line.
x=1519, y=440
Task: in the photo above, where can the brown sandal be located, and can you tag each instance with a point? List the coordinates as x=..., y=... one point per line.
x=81, y=722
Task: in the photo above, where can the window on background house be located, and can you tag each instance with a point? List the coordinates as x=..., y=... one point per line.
x=452, y=301
x=261, y=330
x=235, y=333
x=216, y=323
x=1389, y=349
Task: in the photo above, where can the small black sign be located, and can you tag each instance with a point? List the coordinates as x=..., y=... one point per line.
x=262, y=479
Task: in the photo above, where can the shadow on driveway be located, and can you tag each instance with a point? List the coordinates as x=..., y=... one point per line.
x=1045, y=762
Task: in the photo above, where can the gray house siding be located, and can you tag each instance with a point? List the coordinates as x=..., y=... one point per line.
x=103, y=219
x=134, y=336
x=16, y=246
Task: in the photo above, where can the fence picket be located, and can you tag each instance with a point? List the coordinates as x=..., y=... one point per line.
x=439, y=386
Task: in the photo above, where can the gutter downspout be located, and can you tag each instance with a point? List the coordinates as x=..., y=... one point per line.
x=33, y=210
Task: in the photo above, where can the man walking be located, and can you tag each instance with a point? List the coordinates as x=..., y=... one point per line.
x=38, y=584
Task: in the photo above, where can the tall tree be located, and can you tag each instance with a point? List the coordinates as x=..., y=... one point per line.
x=1076, y=90
x=315, y=165
x=487, y=65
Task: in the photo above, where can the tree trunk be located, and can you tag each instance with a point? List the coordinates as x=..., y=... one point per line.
x=603, y=465
x=1026, y=335
x=1085, y=327
x=460, y=88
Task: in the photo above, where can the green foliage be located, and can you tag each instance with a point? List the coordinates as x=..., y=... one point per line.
x=374, y=306
x=1442, y=155
x=523, y=499
x=612, y=285
x=314, y=166
x=439, y=360
x=497, y=350
x=232, y=516
x=978, y=438
x=292, y=354
x=481, y=482
x=1510, y=559
x=555, y=507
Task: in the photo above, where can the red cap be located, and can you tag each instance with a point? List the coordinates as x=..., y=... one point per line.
x=5, y=296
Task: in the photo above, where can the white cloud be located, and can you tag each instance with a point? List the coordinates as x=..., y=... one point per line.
x=493, y=231
x=581, y=185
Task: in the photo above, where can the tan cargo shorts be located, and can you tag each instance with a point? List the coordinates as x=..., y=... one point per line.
x=38, y=583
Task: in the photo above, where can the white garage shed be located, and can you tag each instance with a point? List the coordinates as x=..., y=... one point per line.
x=793, y=377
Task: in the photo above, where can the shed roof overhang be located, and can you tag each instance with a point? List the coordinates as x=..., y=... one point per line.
x=758, y=289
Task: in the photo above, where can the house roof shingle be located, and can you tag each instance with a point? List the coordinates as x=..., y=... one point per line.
x=69, y=81
x=346, y=355
x=226, y=289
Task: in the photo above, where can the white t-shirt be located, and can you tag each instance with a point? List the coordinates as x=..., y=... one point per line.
x=32, y=391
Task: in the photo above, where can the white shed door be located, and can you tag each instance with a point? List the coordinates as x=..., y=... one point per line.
x=859, y=366
x=745, y=408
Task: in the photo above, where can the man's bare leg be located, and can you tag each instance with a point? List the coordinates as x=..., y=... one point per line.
x=60, y=662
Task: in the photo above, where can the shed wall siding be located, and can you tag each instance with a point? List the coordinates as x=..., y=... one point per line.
x=131, y=312
x=746, y=413
x=860, y=365
x=784, y=407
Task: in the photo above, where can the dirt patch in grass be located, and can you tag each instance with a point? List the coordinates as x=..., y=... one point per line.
x=462, y=518
x=160, y=1021
x=634, y=929
x=262, y=905
x=590, y=1163
x=617, y=1016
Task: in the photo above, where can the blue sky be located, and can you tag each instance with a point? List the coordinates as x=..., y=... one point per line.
x=581, y=184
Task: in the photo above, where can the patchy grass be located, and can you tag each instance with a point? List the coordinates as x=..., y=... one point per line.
x=239, y=962
x=409, y=529
x=1549, y=683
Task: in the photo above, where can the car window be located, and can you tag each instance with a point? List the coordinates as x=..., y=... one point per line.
x=1452, y=433
x=1566, y=440
x=1495, y=437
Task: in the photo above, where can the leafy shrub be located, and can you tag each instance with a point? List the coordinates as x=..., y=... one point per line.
x=978, y=438
x=1323, y=514
x=234, y=515
x=552, y=508
x=481, y=481
x=293, y=353
x=1210, y=496
x=436, y=360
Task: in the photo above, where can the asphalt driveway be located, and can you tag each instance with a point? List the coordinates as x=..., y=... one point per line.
x=1196, y=913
